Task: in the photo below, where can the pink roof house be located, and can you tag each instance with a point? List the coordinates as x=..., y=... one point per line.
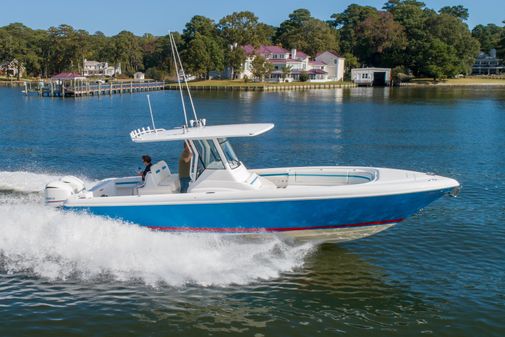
x=297, y=61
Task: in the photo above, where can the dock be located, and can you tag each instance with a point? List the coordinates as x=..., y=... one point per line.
x=87, y=88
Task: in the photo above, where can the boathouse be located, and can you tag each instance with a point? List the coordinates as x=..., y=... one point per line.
x=139, y=76
x=379, y=77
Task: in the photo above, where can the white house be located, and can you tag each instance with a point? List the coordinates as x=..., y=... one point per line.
x=12, y=68
x=95, y=68
x=334, y=64
x=290, y=64
x=488, y=64
x=371, y=76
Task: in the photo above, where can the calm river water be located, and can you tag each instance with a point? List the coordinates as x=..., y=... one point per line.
x=441, y=272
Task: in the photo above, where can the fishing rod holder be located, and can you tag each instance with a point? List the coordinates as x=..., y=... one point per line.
x=198, y=123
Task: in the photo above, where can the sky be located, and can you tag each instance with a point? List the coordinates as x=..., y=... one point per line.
x=158, y=17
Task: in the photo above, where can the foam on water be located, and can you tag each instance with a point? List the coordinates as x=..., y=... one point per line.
x=28, y=182
x=54, y=244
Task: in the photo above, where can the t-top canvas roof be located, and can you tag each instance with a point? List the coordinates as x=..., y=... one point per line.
x=200, y=132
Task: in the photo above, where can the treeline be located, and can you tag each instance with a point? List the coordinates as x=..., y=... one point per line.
x=403, y=34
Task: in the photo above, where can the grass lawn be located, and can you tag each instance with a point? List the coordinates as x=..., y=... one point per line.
x=461, y=81
x=475, y=80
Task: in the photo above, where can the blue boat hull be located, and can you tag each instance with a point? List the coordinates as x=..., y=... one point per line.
x=272, y=216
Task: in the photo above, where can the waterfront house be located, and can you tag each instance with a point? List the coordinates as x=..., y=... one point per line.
x=334, y=64
x=12, y=68
x=488, y=64
x=371, y=76
x=288, y=65
x=101, y=69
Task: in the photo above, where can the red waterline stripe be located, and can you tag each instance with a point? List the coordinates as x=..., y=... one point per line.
x=278, y=229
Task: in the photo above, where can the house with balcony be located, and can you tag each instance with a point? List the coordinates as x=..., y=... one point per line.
x=488, y=64
x=288, y=65
x=100, y=69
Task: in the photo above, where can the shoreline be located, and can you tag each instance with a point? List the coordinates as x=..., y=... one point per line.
x=261, y=86
x=218, y=85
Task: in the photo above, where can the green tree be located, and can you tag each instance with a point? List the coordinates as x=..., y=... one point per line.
x=381, y=41
x=65, y=49
x=202, y=55
x=126, y=50
x=440, y=60
x=460, y=43
x=303, y=32
x=347, y=24
x=459, y=12
x=204, y=49
x=261, y=68
x=158, y=59
x=286, y=70
x=438, y=44
x=244, y=28
x=489, y=36
x=351, y=62
x=501, y=44
x=201, y=25
x=234, y=58
x=23, y=44
x=100, y=50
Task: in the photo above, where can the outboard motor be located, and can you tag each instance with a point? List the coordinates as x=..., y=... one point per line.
x=57, y=192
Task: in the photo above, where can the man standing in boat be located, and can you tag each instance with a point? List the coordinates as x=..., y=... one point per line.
x=184, y=168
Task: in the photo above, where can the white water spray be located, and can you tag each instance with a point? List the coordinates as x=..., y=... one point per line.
x=57, y=245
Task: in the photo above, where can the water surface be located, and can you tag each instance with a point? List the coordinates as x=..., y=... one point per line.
x=441, y=272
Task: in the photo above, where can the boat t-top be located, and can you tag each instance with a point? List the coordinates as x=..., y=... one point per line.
x=323, y=203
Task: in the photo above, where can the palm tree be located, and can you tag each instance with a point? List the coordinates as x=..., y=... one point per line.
x=286, y=70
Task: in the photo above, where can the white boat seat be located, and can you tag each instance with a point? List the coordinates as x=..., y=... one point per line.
x=159, y=172
x=160, y=180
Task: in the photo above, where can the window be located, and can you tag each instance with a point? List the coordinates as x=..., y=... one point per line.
x=230, y=155
x=208, y=156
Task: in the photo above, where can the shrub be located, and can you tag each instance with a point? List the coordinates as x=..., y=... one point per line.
x=304, y=77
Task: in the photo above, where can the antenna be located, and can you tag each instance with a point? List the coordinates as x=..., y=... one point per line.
x=173, y=47
x=178, y=63
x=151, y=112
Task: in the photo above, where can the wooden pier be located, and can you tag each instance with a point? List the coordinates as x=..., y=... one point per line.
x=84, y=88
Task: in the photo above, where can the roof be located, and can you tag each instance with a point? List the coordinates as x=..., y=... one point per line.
x=317, y=63
x=263, y=49
x=370, y=69
x=316, y=71
x=301, y=54
x=66, y=76
x=328, y=51
x=203, y=132
x=92, y=63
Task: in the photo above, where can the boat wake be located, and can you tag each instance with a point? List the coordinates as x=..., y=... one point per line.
x=53, y=244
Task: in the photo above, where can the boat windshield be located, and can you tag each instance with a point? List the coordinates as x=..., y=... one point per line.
x=208, y=155
x=230, y=155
